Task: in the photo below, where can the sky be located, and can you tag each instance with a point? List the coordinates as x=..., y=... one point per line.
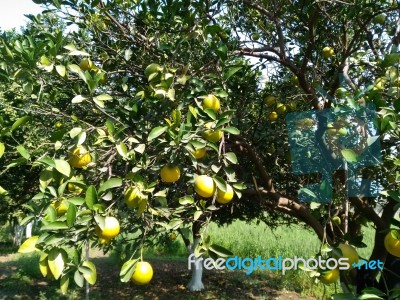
x=12, y=14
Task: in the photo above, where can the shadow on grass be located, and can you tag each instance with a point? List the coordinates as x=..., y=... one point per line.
x=20, y=278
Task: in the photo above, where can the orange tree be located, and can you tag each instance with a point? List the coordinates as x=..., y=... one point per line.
x=137, y=148
x=134, y=93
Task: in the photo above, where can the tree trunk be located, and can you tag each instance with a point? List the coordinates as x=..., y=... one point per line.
x=196, y=265
x=28, y=230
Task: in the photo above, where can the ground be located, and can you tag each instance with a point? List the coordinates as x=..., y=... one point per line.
x=170, y=277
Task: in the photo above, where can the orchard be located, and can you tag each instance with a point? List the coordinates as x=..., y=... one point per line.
x=124, y=121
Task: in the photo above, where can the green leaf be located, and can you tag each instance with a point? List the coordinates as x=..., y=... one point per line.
x=221, y=183
x=110, y=184
x=369, y=297
x=79, y=279
x=61, y=70
x=57, y=225
x=230, y=72
x=122, y=150
x=45, y=178
x=349, y=155
x=63, y=167
x=2, y=149
x=71, y=214
x=104, y=97
x=21, y=150
x=29, y=245
x=231, y=157
x=64, y=283
x=26, y=220
x=91, y=276
x=211, y=113
x=221, y=251
x=78, y=99
x=344, y=296
x=20, y=122
x=186, y=200
x=222, y=52
x=156, y=132
x=308, y=192
x=231, y=130
x=57, y=261
x=91, y=196
x=197, y=214
x=16, y=162
x=127, y=270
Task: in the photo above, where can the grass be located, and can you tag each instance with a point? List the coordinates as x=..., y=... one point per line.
x=244, y=240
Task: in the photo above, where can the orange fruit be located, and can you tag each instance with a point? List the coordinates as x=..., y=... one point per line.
x=211, y=102
x=111, y=228
x=143, y=273
x=225, y=197
x=204, y=186
x=80, y=157
x=170, y=173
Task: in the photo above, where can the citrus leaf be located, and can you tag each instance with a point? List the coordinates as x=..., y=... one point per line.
x=91, y=276
x=231, y=71
x=231, y=130
x=110, y=184
x=197, y=214
x=221, y=183
x=349, y=155
x=156, y=132
x=186, y=200
x=43, y=266
x=24, y=153
x=2, y=149
x=29, y=245
x=63, y=167
x=122, y=150
x=91, y=196
x=104, y=97
x=56, y=260
x=57, y=225
x=127, y=270
x=61, y=70
x=221, y=251
x=20, y=122
x=79, y=279
x=231, y=157
x=64, y=283
x=78, y=99
x=71, y=214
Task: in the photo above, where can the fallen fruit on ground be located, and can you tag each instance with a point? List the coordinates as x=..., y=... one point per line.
x=204, y=186
x=170, y=173
x=143, y=273
x=111, y=228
